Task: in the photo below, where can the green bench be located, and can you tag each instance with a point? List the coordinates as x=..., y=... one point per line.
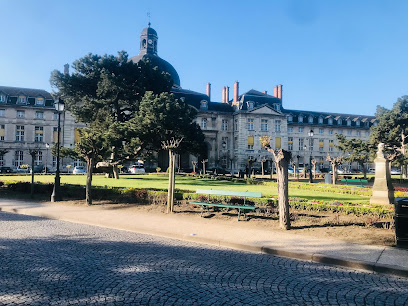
x=241, y=208
x=355, y=182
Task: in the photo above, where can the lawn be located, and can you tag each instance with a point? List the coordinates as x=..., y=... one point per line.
x=189, y=183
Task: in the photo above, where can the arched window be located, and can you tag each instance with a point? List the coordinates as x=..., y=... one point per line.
x=144, y=43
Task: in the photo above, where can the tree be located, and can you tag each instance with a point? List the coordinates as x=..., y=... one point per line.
x=335, y=162
x=281, y=159
x=392, y=130
x=357, y=151
x=112, y=85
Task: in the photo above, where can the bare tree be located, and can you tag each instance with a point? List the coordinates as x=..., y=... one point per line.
x=194, y=163
x=335, y=162
x=281, y=159
x=203, y=162
x=314, y=162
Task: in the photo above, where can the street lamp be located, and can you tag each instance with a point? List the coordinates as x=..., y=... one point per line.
x=56, y=194
x=310, y=158
x=47, y=146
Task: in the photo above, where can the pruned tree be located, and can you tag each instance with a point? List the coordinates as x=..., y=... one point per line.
x=194, y=163
x=335, y=162
x=357, y=150
x=203, y=162
x=314, y=162
x=281, y=159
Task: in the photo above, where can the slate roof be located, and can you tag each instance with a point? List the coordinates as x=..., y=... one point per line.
x=259, y=98
x=12, y=94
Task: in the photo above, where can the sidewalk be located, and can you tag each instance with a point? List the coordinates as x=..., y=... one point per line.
x=370, y=258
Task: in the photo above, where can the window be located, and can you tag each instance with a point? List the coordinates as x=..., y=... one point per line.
x=330, y=121
x=310, y=119
x=55, y=116
x=348, y=122
x=290, y=143
x=276, y=107
x=300, y=130
x=2, y=131
x=224, y=126
x=330, y=132
x=39, y=134
x=358, y=133
x=300, y=119
x=339, y=121
x=18, y=158
x=250, y=142
x=250, y=124
x=290, y=129
x=39, y=115
x=224, y=162
x=203, y=105
x=277, y=125
x=321, y=131
x=20, y=114
x=375, y=123
x=55, y=134
x=19, y=132
x=349, y=132
x=321, y=145
x=204, y=123
x=38, y=158
x=54, y=161
x=264, y=125
x=250, y=105
x=3, y=98
x=290, y=118
x=320, y=120
x=2, y=112
x=224, y=140
x=1, y=160
x=301, y=144
x=236, y=124
x=77, y=163
x=340, y=132
x=39, y=101
x=367, y=133
x=311, y=142
x=21, y=100
x=278, y=143
x=331, y=145
x=358, y=123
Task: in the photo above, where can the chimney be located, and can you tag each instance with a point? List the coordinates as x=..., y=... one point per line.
x=265, y=92
x=66, y=69
x=275, y=91
x=226, y=94
x=280, y=91
x=209, y=90
x=236, y=91
x=223, y=94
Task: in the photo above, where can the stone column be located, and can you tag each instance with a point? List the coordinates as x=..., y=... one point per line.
x=383, y=192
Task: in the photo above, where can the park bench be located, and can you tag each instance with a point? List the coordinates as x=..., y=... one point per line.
x=205, y=206
x=355, y=182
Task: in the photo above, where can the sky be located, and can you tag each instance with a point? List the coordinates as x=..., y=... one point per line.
x=334, y=56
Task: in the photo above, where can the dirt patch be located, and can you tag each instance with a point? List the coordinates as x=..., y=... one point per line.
x=364, y=230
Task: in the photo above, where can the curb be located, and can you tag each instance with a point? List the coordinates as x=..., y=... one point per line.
x=313, y=257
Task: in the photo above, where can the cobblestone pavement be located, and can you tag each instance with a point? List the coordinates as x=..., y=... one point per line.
x=53, y=262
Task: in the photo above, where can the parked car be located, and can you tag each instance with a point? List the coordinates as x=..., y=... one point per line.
x=395, y=170
x=6, y=170
x=79, y=170
x=23, y=170
x=38, y=169
x=137, y=168
x=325, y=170
x=371, y=170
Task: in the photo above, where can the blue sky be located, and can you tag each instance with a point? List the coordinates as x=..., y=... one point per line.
x=339, y=56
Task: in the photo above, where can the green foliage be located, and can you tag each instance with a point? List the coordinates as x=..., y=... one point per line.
x=64, y=152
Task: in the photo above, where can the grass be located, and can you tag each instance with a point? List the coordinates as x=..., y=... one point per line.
x=189, y=183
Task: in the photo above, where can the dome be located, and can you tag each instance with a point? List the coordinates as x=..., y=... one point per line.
x=160, y=63
x=148, y=51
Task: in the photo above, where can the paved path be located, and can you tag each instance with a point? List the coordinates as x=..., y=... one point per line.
x=50, y=262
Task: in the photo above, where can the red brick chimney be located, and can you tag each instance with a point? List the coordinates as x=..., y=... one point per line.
x=226, y=94
x=280, y=91
x=209, y=90
x=236, y=92
x=275, y=91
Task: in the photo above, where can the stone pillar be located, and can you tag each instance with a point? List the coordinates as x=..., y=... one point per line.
x=383, y=192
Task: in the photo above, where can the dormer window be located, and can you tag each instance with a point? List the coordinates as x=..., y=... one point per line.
x=290, y=118
x=300, y=119
x=339, y=121
x=330, y=121
x=358, y=123
x=39, y=101
x=348, y=122
x=320, y=120
x=3, y=98
x=21, y=100
x=310, y=119
x=276, y=107
x=204, y=105
x=250, y=105
x=375, y=123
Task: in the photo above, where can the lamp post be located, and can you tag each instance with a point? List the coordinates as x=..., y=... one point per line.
x=310, y=157
x=56, y=194
x=47, y=146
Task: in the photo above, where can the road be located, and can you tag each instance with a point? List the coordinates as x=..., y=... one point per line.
x=54, y=262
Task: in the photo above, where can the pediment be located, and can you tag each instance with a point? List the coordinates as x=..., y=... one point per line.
x=265, y=109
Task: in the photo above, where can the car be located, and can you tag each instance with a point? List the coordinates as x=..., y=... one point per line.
x=395, y=170
x=371, y=170
x=317, y=171
x=137, y=168
x=6, y=170
x=79, y=170
x=23, y=170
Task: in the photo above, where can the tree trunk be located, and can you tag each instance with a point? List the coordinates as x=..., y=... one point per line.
x=283, y=198
x=364, y=172
x=32, y=176
x=173, y=183
x=115, y=170
x=334, y=170
x=89, y=168
x=262, y=165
